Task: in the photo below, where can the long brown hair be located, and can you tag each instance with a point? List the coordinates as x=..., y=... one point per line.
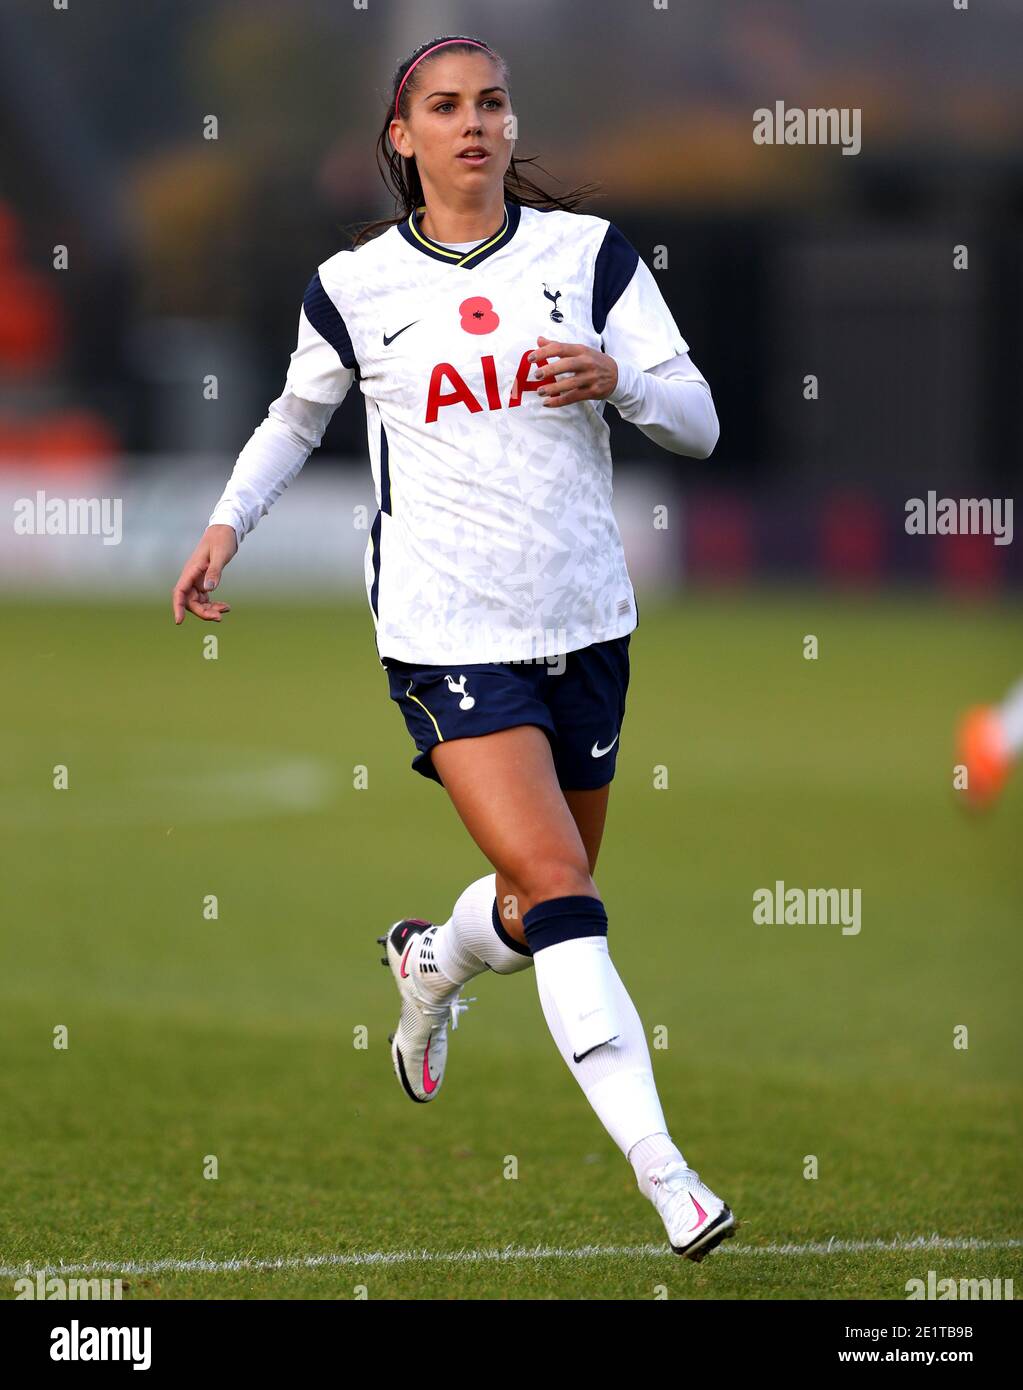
x=401, y=175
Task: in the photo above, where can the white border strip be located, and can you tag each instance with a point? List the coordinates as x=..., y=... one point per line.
x=202, y=1265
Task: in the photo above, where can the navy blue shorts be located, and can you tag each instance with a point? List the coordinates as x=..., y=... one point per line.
x=578, y=700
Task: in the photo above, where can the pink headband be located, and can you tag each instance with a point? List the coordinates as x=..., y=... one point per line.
x=427, y=54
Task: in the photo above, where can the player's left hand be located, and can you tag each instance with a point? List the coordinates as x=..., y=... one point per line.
x=593, y=377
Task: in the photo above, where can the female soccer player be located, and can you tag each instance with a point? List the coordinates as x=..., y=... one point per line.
x=495, y=571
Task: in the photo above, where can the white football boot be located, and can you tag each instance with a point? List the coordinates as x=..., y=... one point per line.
x=695, y=1218
x=419, y=1045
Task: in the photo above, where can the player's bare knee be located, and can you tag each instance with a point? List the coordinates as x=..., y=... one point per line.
x=556, y=878
x=509, y=901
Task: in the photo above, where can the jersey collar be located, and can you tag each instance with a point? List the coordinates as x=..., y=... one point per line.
x=464, y=260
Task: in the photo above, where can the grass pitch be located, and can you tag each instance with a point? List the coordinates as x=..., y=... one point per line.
x=235, y=1037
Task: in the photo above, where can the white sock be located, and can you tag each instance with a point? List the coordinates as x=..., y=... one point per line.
x=1010, y=713
x=617, y=1077
x=651, y=1153
x=469, y=941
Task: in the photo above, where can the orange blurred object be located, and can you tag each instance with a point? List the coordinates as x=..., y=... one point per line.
x=981, y=746
x=31, y=330
x=64, y=441
x=32, y=324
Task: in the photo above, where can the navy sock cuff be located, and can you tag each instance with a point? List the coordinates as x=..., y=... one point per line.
x=505, y=939
x=564, y=919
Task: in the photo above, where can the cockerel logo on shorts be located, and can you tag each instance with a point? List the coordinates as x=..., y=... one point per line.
x=457, y=687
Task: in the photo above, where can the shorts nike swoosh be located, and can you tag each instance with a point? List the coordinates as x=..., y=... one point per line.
x=597, y=752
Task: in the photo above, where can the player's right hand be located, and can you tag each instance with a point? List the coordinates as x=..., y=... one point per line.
x=201, y=574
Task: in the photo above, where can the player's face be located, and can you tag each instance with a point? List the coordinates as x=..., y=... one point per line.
x=460, y=100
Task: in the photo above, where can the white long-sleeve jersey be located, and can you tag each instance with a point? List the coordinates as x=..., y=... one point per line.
x=494, y=538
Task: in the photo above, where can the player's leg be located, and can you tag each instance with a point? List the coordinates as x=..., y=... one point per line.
x=432, y=962
x=506, y=791
x=581, y=707
x=589, y=811
x=483, y=933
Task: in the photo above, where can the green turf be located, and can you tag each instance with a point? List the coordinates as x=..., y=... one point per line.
x=234, y=1037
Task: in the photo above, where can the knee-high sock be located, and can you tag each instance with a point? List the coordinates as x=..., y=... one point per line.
x=474, y=939
x=1010, y=711
x=582, y=997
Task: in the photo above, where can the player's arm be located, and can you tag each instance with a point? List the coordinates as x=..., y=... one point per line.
x=317, y=382
x=671, y=403
x=657, y=385
x=272, y=458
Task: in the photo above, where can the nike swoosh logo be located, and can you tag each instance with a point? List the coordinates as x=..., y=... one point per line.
x=597, y=752
x=389, y=340
x=429, y=1085
x=403, y=971
x=700, y=1210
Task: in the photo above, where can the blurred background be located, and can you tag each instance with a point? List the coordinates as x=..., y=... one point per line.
x=188, y=257
x=274, y=780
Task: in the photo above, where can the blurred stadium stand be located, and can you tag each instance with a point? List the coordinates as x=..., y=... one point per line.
x=188, y=258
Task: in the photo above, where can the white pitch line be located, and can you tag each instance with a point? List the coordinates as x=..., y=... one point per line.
x=509, y=1253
